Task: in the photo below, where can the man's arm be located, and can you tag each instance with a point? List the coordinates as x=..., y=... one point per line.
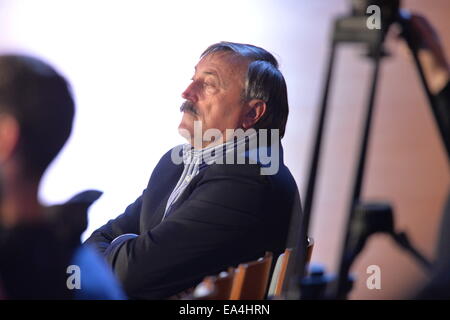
x=219, y=225
x=127, y=222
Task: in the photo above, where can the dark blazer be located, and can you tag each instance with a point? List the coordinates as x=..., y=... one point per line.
x=227, y=215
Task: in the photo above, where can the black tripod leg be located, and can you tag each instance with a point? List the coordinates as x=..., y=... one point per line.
x=431, y=100
x=297, y=269
x=348, y=254
x=402, y=240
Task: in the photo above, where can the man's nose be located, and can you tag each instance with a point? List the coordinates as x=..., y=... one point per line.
x=190, y=93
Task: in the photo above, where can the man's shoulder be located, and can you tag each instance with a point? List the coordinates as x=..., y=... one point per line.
x=172, y=158
x=251, y=172
x=168, y=168
x=173, y=153
x=238, y=169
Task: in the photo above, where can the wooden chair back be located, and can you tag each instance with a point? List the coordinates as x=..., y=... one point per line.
x=250, y=279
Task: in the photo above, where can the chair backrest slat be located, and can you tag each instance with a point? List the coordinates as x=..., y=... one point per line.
x=215, y=287
x=250, y=281
x=279, y=275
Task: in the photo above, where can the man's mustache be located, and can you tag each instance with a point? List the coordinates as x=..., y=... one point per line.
x=189, y=106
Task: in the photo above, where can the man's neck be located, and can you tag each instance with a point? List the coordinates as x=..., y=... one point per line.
x=207, y=144
x=19, y=203
x=223, y=139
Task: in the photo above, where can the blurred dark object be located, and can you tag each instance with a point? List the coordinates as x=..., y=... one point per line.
x=34, y=256
x=432, y=66
x=315, y=283
x=372, y=218
x=438, y=287
x=33, y=263
x=69, y=220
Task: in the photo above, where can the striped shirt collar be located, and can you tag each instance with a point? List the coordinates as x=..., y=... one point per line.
x=215, y=154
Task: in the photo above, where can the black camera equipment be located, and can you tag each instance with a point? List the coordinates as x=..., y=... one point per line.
x=364, y=219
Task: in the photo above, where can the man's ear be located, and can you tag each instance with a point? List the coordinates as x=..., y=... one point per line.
x=256, y=108
x=9, y=136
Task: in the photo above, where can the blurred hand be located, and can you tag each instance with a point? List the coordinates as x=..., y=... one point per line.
x=430, y=52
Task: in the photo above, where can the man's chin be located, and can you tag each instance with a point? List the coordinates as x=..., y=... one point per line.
x=186, y=131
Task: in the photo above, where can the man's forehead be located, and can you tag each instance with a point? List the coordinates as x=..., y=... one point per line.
x=221, y=62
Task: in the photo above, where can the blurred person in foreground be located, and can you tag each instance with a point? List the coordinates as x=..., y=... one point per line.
x=40, y=250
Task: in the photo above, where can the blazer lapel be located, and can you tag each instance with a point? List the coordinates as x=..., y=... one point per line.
x=186, y=192
x=154, y=202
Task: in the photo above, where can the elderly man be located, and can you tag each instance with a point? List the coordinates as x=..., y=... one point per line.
x=210, y=204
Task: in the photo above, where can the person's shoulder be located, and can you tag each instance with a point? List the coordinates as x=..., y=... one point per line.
x=173, y=156
x=234, y=170
x=251, y=172
x=264, y=164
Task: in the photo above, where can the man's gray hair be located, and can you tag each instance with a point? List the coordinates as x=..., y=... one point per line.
x=263, y=81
